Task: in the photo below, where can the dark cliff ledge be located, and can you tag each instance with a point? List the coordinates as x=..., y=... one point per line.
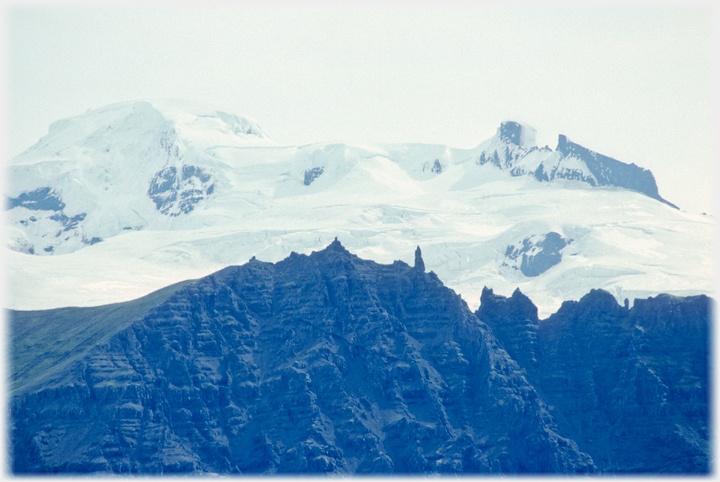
x=611, y=172
x=327, y=363
x=631, y=385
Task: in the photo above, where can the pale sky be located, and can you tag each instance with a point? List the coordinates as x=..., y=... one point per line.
x=636, y=84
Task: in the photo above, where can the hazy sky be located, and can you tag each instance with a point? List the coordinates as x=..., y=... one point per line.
x=635, y=84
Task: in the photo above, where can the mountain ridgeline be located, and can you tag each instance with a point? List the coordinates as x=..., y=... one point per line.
x=151, y=193
x=328, y=363
x=517, y=153
x=64, y=189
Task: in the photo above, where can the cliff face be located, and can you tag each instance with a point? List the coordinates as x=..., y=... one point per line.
x=331, y=364
x=607, y=171
x=630, y=386
x=513, y=149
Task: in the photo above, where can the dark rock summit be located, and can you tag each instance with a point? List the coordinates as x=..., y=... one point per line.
x=328, y=363
x=513, y=149
x=517, y=134
x=419, y=263
x=607, y=171
x=515, y=324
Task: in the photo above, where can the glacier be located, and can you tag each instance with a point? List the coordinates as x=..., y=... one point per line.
x=123, y=200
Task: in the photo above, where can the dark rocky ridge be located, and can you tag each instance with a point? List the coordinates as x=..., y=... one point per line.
x=611, y=172
x=630, y=386
x=518, y=141
x=330, y=364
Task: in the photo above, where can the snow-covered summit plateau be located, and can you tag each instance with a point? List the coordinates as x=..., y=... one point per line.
x=128, y=198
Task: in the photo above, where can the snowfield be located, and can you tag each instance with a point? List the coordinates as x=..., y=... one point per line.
x=145, y=194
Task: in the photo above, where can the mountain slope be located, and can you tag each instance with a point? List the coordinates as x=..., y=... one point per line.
x=65, y=334
x=116, y=168
x=613, y=376
x=152, y=193
x=121, y=167
x=332, y=364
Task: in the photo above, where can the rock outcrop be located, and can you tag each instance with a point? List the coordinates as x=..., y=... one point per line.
x=513, y=149
x=537, y=253
x=630, y=386
x=328, y=363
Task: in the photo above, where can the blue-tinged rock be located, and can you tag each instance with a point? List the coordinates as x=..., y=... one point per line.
x=419, y=263
x=631, y=384
x=327, y=363
x=537, y=254
x=176, y=193
x=611, y=172
x=312, y=174
x=517, y=134
x=42, y=199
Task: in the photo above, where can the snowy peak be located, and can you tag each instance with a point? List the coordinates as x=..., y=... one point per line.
x=141, y=194
x=127, y=124
x=149, y=164
x=207, y=127
x=513, y=149
x=122, y=167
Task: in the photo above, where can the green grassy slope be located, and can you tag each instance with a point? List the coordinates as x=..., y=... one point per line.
x=43, y=342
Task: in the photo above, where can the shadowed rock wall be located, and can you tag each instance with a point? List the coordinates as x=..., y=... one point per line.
x=331, y=364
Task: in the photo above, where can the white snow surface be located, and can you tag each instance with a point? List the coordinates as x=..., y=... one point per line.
x=380, y=201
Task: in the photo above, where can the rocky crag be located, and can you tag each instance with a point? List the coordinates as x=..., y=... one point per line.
x=513, y=149
x=629, y=386
x=328, y=363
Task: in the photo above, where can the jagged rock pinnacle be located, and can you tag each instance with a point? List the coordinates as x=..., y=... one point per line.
x=336, y=246
x=419, y=263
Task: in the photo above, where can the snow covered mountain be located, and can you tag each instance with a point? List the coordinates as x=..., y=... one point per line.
x=113, y=169
x=126, y=199
x=514, y=149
